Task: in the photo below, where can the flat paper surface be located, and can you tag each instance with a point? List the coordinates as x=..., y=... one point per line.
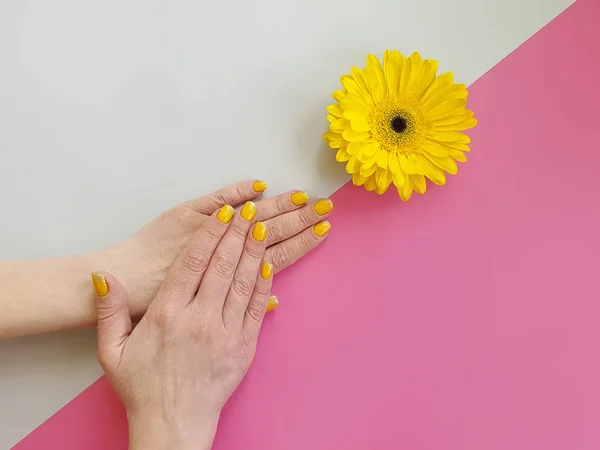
x=464, y=319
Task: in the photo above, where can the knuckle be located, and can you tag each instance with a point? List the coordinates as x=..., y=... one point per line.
x=195, y=259
x=243, y=285
x=278, y=257
x=276, y=231
x=304, y=218
x=263, y=289
x=255, y=311
x=224, y=265
x=254, y=251
x=164, y=318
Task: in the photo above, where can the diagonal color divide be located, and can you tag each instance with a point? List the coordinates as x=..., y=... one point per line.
x=466, y=319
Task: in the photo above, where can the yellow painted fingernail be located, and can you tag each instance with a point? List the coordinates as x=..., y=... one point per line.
x=299, y=198
x=260, y=231
x=248, y=211
x=259, y=186
x=322, y=228
x=100, y=285
x=323, y=206
x=273, y=303
x=267, y=271
x=225, y=214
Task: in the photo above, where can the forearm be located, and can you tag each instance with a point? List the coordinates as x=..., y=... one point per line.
x=156, y=433
x=52, y=294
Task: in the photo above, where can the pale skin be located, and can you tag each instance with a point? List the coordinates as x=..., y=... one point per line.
x=54, y=294
x=176, y=369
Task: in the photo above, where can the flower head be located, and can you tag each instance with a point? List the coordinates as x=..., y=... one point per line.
x=400, y=123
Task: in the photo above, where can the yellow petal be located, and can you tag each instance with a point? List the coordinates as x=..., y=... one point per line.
x=358, y=180
x=435, y=148
x=370, y=184
x=426, y=73
x=367, y=171
x=375, y=79
x=447, y=164
x=455, y=119
x=414, y=80
x=406, y=165
x=335, y=110
x=342, y=155
x=366, y=152
x=419, y=184
x=350, y=85
x=355, y=103
x=339, y=125
x=450, y=136
x=399, y=179
x=405, y=191
x=355, y=136
x=339, y=95
x=382, y=159
x=359, y=78
x=383, y=179
x=452, y=92
x=458, y=155
x=392, y=68
x=444, y=80
x=394, y=165
x=457, y=146
x=447, y=108
x=353, y=165
x=430, y=171
x=360, y=125
x=406, y=76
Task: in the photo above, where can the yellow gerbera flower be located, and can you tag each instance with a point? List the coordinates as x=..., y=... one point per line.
x=399, y=124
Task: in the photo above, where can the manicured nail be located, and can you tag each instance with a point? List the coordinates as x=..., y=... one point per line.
x=260, y=231
x=267, y=271
x=225, y=214
x=100, y=285
x=273, y=303
x=322, y=228
x=259, y=186
x=299, y=198
x=248, y=212
x=323, y=206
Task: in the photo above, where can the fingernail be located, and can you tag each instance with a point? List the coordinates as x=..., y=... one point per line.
x=322, y=228
x=267, y=271
x=299, y=198
x=323, y=206
x=259, y=186
x=273, y=303
x=225, y=214
x=260, y=231
x=248, y=211
x=100, y=285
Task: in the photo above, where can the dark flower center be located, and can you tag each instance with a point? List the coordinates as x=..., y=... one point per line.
x=399, y=124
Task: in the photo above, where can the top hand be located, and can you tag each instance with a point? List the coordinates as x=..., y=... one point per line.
x=142, y=262
x=177, y=368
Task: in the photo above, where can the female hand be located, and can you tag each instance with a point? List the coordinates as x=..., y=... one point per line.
x=177, y=368
x=142, y=262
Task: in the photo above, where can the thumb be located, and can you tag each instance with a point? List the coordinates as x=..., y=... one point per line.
x=114, y=319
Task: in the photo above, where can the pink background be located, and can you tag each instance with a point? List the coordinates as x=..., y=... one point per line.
x=465, y=319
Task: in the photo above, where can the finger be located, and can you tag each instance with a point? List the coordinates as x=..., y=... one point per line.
x=223, y=264
x=274, y=206
x=114, y=319
x=235, y=194
x=186, y=273
x=290, y=224
x=244, y=280
x=257, y=306
x=291, y=250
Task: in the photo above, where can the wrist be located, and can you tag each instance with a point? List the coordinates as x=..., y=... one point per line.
x=156, y=432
